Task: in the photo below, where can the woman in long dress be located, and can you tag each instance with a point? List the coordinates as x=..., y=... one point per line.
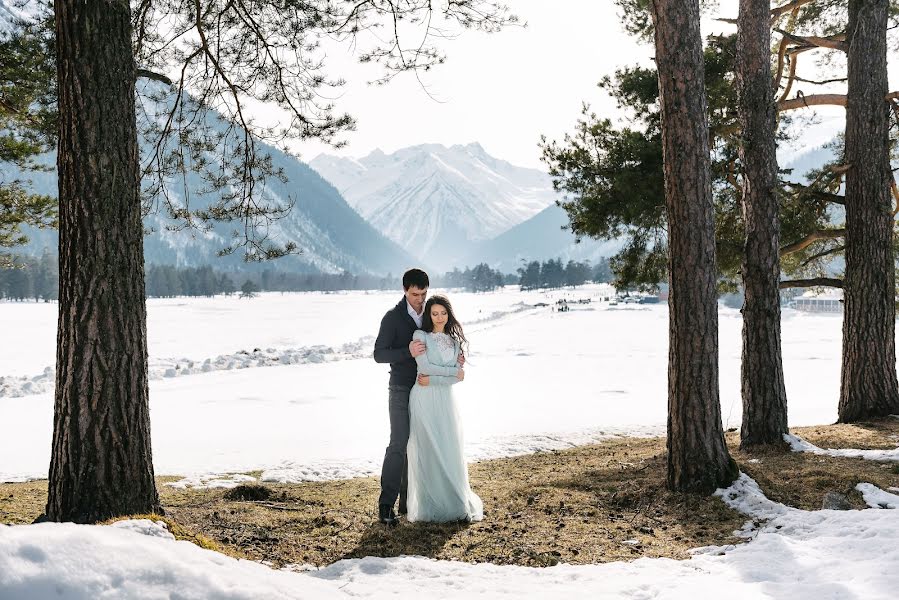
x=438, y=474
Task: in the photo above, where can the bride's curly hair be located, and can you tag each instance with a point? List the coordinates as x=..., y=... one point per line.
x=453, y=328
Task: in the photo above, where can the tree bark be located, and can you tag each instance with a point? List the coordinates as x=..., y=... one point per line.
x=762, y=375
x=698, y=460
x=101, y=464
x=868, y=387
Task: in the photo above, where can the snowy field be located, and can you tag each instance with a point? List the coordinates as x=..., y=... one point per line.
x=285, y=383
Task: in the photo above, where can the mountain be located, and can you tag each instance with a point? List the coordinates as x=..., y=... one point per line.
x=539, y=238
x=331, y=235
x=438, y=201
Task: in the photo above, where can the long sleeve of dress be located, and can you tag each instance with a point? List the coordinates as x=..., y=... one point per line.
x=425, y=367
x=442, y=380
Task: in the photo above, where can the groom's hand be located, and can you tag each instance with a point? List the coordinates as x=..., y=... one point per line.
x=416, y=348
x=423, y=380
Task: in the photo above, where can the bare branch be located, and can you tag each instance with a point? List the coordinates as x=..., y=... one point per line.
x=815, y=236
x=814, y=282
x=779, y=11
x=821, y=81
x=147, y=74
x=803, y=101
x=821, y=254
x=807, y=191
x=832, y=42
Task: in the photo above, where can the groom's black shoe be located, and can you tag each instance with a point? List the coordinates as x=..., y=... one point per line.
x=386, y=515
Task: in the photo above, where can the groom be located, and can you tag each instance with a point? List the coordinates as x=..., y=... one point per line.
x=394, y=345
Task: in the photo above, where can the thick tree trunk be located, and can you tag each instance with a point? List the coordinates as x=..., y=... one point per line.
x=101, y=464
x=698, y=460
x=868, y=387
x=762, y=376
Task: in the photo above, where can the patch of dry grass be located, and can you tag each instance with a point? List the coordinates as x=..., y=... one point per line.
x=588, y=504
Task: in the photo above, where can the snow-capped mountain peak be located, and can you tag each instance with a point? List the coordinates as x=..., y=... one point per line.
x=433, y=199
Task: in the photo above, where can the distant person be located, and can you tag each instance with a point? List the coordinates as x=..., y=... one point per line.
x=439, y=490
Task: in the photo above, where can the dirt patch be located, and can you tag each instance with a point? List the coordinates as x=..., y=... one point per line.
x=589, y=504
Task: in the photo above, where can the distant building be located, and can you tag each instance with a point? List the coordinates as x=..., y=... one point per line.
x=829, y=303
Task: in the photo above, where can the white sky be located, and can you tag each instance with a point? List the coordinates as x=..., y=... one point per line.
x=503, y=90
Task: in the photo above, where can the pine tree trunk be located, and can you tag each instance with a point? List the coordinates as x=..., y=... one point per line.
x=868, y=387
x=101, y=464
x=698, y=460
x=762, y=376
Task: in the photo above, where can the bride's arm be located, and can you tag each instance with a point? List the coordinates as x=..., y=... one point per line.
x=424, y=365
x=442, y=380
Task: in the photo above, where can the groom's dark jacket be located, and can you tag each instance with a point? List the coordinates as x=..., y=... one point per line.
x=392, y=345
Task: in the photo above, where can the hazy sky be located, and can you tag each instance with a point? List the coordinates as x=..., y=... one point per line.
x=503, y=90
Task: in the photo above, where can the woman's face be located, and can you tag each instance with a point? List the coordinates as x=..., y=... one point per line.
x=439, y=316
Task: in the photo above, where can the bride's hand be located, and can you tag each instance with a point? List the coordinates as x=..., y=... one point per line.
x=423, y=380
x=460, y=375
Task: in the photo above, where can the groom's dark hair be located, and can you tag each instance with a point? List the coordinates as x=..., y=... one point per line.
x=415, y=277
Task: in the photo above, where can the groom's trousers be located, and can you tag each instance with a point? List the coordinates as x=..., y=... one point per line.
x=394, y=471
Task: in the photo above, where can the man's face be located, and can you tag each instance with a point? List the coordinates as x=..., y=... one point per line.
x=416, y=296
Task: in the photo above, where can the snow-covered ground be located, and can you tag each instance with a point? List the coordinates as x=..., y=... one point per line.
x=285, y=383
x=795, y=554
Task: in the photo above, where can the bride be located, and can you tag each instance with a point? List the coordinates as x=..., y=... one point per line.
x=438, y=475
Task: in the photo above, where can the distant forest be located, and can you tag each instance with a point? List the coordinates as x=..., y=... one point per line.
x=38, y=279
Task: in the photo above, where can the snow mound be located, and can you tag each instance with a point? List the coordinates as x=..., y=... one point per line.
x=876, y=497
x=145, y=527
x=224, y=481
x=64, y=561
x=800, y=445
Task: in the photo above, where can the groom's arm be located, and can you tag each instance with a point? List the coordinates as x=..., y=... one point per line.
x=384, y=353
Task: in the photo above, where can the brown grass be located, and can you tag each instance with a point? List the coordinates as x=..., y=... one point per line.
x=584, y=505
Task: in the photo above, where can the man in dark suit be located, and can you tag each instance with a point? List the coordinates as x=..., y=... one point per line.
x=394, y=346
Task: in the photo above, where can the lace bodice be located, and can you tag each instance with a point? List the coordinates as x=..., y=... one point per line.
x=446, y=346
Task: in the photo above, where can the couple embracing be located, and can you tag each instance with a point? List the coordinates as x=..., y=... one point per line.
x=424, y=466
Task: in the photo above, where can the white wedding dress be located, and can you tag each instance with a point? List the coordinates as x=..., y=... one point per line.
x=438, y=474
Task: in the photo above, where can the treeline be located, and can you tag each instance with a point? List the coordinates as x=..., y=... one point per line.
x=31, y=279
x=38, y=279
x=554, y=274
x=480, y=278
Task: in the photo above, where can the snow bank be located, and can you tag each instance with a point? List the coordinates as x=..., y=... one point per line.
x=876, y=497
x=797, y=444
x=132, y=561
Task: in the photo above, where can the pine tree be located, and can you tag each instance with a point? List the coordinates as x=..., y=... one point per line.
x=762, y=377
x=698, y=460
x=868, y=385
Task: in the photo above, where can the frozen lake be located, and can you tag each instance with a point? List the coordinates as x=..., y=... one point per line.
x=536, y=379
